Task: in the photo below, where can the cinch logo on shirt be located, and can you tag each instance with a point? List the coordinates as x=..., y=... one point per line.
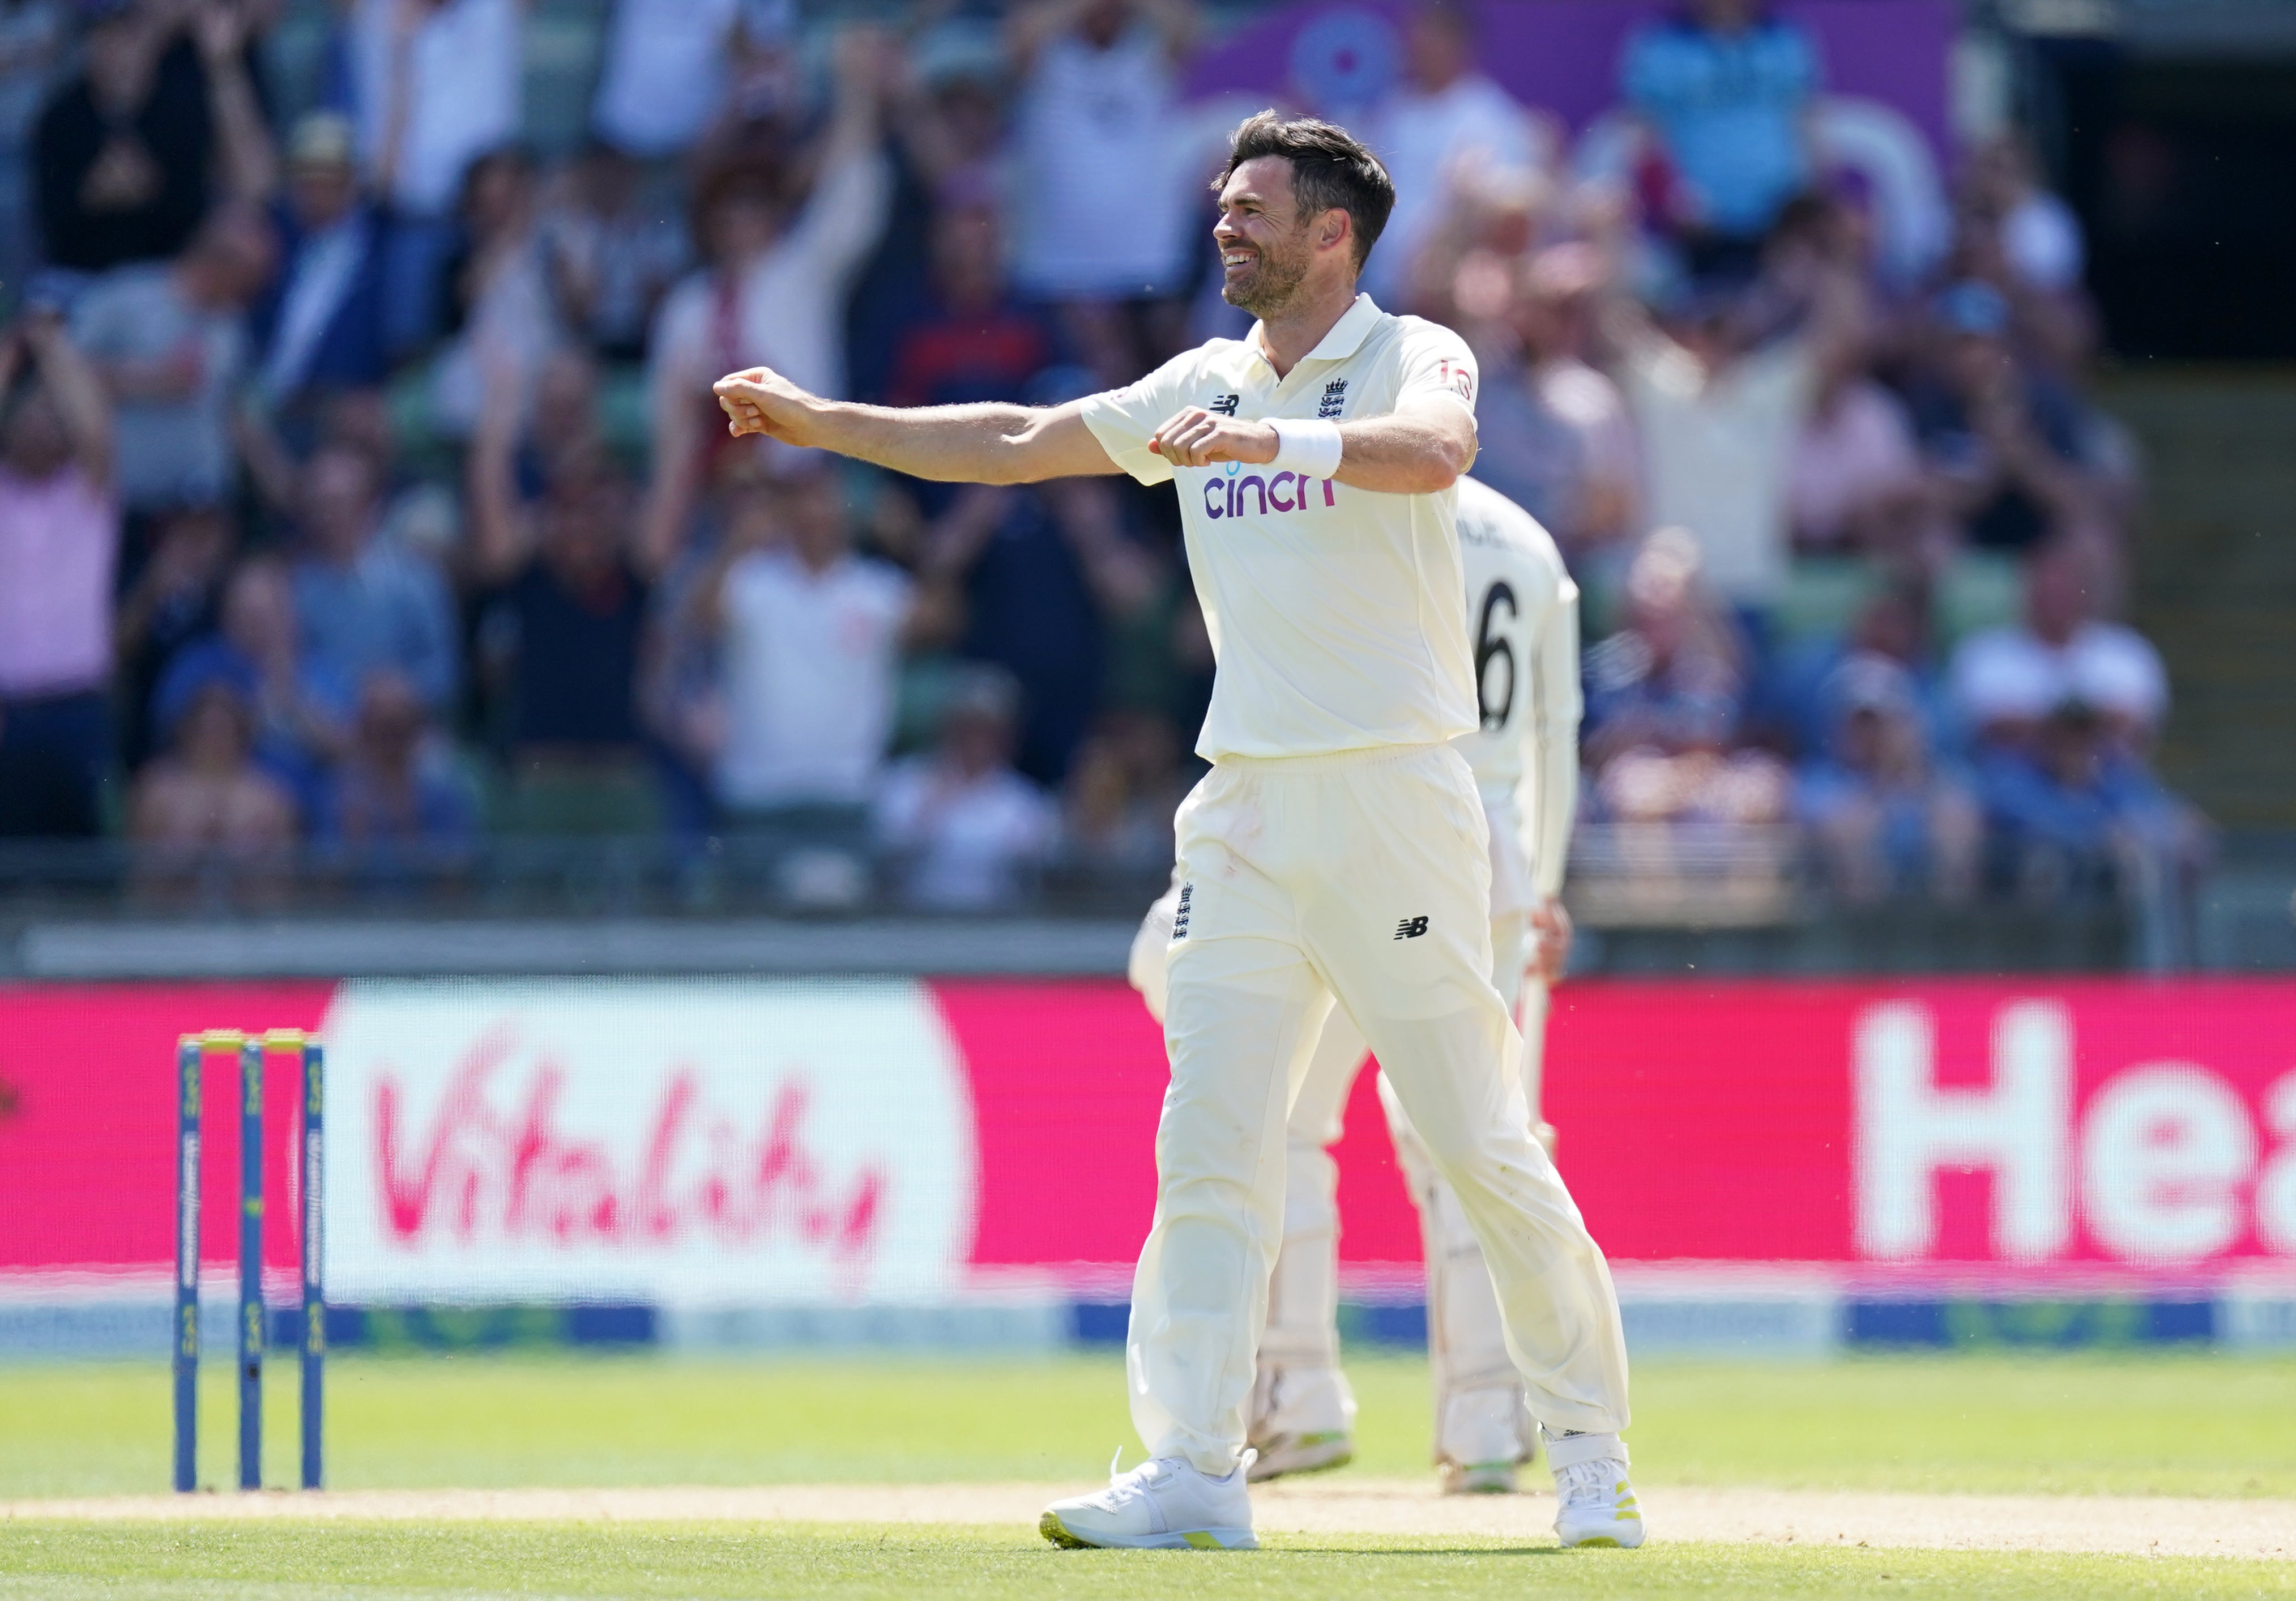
x=1287, y=491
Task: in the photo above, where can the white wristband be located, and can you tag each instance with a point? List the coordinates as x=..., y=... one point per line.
x=1308, y=447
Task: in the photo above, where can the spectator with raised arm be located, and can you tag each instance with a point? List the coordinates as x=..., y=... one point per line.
x=2003, y=440
x=1445, y=127
x=434, y=84
x=33, y=36
x=774, y=288
x=612, y=249
x=59, y=546
x=170, y=342
x=669, y=65
x=562, y=609
x=1105, y=190
x=162, y=122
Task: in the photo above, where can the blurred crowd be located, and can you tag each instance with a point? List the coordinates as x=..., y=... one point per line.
x=362, y=494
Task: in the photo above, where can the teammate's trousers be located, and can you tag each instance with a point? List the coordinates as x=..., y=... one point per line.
x=1362, y=878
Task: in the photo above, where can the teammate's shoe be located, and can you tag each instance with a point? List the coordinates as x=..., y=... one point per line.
x=1595, y=1502
x=1478, y=1478
x=1309, y=1453
x=1167, y=1504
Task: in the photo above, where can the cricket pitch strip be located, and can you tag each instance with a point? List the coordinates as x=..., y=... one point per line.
x=2167, y=1526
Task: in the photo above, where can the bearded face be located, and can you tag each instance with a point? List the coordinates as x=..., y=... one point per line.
x=1266, y=246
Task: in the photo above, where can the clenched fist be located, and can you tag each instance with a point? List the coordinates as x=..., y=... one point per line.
x=1197, y=438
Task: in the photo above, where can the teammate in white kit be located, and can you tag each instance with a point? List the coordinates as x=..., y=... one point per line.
x=1522, y=610
x=1336, y=850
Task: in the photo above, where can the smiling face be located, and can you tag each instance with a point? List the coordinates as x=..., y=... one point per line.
x=1267, y=248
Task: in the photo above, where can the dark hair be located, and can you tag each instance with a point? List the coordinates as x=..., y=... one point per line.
x=1331, y=170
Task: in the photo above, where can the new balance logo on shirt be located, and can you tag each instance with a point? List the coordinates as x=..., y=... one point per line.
x=1411, y=928
x=1223, y=404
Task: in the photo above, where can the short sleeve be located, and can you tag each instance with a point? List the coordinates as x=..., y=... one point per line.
x=1437, y=361
x=1125, y=420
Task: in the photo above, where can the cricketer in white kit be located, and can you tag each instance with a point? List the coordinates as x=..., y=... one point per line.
x=1337, y=851
x=1522, y=613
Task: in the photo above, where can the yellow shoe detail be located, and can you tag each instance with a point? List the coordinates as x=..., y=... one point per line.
x=1201, y=1540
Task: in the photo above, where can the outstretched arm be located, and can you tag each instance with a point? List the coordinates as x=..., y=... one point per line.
x=983, y=444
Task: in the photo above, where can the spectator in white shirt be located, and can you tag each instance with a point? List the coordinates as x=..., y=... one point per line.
x=963, y=828
x=773, y=293
x=810, y=641
x=1105, y=191
x=1444, y=126
x=668, y=64
x=435, y=84
x=2007, y=681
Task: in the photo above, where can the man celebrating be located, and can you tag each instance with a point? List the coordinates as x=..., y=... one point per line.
x=1336, y=850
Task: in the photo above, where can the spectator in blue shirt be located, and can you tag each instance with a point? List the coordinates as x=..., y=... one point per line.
x=1725, y=87
x=2075, y=813
x=365, y=604
x=1887, y=820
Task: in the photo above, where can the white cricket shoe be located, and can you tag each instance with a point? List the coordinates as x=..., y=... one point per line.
x=1595, y=1502
x=1167, y=1504
x=1302, y=1421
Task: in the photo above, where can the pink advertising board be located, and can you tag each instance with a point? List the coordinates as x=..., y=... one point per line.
x=748, y=1141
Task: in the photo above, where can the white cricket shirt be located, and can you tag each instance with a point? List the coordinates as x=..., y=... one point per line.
x=1522, y=621
x=1337, y=614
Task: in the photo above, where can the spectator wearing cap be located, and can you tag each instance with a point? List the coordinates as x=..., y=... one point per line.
x=1444, y=126
x=433, y=84
x=363, y=603
x=1886, y=819
x=2007, y=681
x=59, y=546
x=318, y=327
x=774, y=288
x=300, y=704
x=1727, y=88
x=162, y=122
x=2004, y=441
x=170, y=342
x=964, y=829
x=1104, y=202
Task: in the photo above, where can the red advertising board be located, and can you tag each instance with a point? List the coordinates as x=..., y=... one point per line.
x=903, y=1140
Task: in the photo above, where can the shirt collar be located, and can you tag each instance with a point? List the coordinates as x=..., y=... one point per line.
x=1345, y=338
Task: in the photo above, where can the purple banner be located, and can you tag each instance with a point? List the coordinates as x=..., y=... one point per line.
x=1563, y=55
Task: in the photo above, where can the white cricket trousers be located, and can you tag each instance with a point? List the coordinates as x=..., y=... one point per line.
x=1362, y=878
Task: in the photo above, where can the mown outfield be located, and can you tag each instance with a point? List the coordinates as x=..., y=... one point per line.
x=2183, y=1427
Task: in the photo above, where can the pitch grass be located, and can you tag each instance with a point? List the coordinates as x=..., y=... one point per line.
x=61, y=1562
x=2177, y=1425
